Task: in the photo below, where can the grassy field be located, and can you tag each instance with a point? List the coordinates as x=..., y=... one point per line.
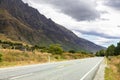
x=112, y=71
x=16, y=57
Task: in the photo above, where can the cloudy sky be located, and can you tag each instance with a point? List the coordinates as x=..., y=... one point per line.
x=94, y=20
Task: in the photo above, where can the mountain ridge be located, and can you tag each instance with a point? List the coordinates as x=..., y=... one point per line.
x=28, y=25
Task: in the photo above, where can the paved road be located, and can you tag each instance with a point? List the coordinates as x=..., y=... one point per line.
x=67, y=70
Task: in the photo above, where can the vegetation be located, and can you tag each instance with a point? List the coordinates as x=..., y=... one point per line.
x=55, y=49
x=110, y=51
x=15, y=53
x=117, y=49
x=112, y=72
x=11, y=45
x=100, y=53
x=72, y=51
x=11, y=57
x=0, y=57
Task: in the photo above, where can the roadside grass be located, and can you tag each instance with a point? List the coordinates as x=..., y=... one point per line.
x=12, y=57
x=16, y=57
x=109, y=74
x=112, y=71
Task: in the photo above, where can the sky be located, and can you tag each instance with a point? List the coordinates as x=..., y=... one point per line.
x=94, y=20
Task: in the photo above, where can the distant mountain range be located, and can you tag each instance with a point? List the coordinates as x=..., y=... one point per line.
x=20, y=22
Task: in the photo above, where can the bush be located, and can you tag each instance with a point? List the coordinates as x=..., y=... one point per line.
x=0, y=57
x=72, y=51
x=100, y=53
x=110, y=51
x=0, y=1
x=55, y=49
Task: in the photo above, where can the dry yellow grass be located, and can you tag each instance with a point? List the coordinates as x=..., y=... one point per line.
x=113, y=70
x=16, y=57
x=3, y=37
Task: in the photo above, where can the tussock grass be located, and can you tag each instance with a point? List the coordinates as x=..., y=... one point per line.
x=112, y=72
x=16, y=57
x=12, y=57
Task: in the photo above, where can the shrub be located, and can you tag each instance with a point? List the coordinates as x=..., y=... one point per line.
x=72, y=51
x=55, y=49
x=0, y=57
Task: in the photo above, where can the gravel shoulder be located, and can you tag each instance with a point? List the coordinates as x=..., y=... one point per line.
x=101, y=71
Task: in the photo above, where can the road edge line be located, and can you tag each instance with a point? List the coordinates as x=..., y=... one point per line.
x=91, y=70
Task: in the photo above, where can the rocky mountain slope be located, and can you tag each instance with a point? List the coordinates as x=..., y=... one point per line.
x=20, y=22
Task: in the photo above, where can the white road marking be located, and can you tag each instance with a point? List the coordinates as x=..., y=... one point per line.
x=91, y=70
x=20, y=76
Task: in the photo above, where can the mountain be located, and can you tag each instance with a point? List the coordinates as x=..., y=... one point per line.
x=20, y=22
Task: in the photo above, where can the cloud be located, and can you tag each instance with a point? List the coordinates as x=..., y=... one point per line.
x=80, y=10
x=94, y=33
x=77, y=15
x=104, y=19
x=100, y=40
x=118, y=26
x=113, y=3
x=104, y=41
x=104, y=12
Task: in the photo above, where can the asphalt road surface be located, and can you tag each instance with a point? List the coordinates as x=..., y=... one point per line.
x=68, y=70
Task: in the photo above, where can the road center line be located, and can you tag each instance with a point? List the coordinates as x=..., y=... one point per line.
x=21, y=76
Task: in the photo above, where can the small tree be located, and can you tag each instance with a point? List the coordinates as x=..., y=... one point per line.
x=43, y=49
x=100, y=53
x=97, y=53
x=55, y=49
x=35, y=47
x=0, y=1
x=110, y=51
x=72, y=51
x=117, y=49
x=0, y=57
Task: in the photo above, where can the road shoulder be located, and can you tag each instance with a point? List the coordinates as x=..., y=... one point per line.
x=101, y=71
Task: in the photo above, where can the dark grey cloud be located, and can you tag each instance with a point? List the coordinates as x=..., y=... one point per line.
x=113, y=3
x=94, y=33
x=81, y=10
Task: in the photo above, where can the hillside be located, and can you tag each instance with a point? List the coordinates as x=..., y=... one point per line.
x=20, y=22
